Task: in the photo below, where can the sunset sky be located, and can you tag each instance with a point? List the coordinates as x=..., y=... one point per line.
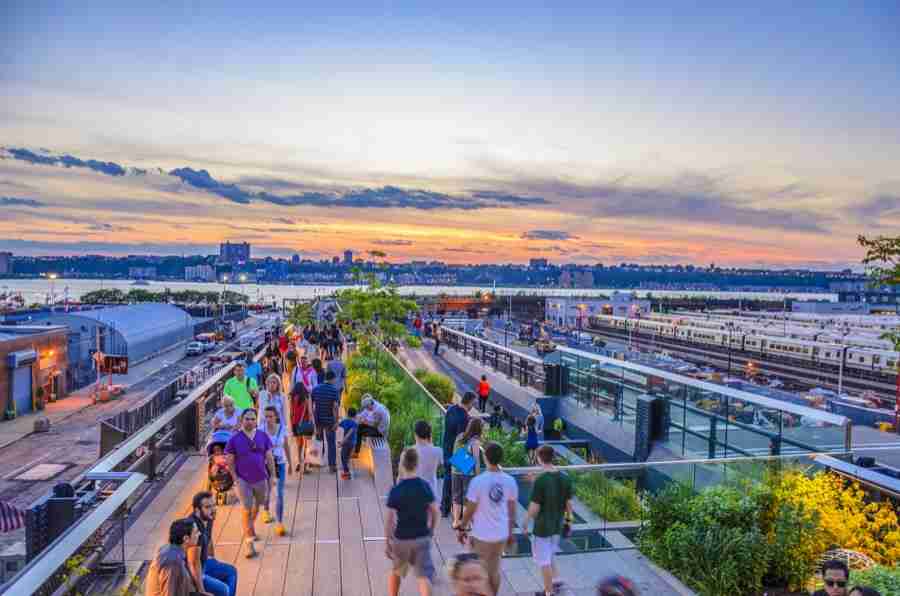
x=759, y=133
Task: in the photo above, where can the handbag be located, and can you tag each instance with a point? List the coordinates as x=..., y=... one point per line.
x=306, y=428
x=314, y=452
x=463, y=461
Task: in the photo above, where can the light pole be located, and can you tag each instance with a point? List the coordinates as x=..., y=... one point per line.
x=224, y=281
x=730, y=326
x=844, y=332
x=52, y=277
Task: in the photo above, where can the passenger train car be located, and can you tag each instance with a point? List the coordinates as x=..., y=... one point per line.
x=763, y=343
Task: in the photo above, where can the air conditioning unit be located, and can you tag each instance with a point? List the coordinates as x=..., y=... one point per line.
x=21, y=358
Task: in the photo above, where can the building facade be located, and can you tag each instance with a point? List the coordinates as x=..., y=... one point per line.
x=142, y=272
x=199, y=273
x=33, y=364
x=827, y=308
x=6, y=263
x=233, y=253
x=348, y=257
x=883, y=299
x=575, y=311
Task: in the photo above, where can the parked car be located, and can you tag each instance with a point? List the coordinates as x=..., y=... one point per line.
x=195, y=348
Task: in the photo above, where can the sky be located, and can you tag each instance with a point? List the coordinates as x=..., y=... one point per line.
x=744, y=134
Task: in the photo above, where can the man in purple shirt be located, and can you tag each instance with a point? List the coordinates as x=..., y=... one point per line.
x=250, y=457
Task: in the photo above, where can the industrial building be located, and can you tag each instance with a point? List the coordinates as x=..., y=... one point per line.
x=138, y=331
x=33, y=362
x=824, y=307
x=568, y=311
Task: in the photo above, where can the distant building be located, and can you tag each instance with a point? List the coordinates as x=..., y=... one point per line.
x=6, y=264
x=336, y=261
x=32, y=357
x=295, y=260
x=567, y=310
x=883, y=299
x=238, y=252
x=200, y=273
x=824, y=307
x=141, y=272
x=348, y=257
x=538, y=263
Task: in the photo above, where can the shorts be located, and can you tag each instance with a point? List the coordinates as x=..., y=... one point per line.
x=248, y=493
x=415, y=553
x=543, y=548
x=460, y=484
x=490, y=554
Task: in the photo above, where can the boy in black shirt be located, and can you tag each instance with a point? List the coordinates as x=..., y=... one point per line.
x=411, y=517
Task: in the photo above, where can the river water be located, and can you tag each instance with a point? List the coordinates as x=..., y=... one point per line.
x=39, y=290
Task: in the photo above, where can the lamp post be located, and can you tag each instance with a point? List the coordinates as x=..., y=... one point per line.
x=730, y=326
x=52, y=277
x=844, y=332
x=224, y=281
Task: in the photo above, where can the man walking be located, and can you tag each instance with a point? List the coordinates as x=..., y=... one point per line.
x=250, y=457
x=491, y=509
x=551, y=509
x=410, y=519
x=326, y=401
x=455, y=421
x=217, y=578
x=437, y=337
x=241, y=388
x=484, y=392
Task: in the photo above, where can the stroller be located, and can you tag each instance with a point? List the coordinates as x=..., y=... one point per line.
x=219, y=479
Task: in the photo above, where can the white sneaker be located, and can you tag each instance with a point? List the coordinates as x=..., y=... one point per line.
x=251, y=549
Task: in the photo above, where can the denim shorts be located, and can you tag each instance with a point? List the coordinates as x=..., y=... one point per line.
x=251, y=495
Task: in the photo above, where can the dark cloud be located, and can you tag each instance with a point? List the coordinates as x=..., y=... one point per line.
x=393, y=242
x=284, y=220
x=876, y=207
x=547, y=235
x=19, y=202
x=284, y=230
x=104, y=167
x=105, y=227
x=38, y=247
x=505, y=198
x=689, y=198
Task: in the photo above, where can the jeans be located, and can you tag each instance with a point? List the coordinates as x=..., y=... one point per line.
x=280, y=471
x=437, y=346
x=346, y=449
x=219, y=579
x=363, y=431
x=447, y=491
x=330, y=439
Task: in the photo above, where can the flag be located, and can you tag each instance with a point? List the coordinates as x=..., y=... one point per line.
x=11, y=518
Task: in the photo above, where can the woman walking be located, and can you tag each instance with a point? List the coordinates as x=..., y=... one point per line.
x=301, y=421
x=281, y=452
x=273, y=396
x=467, y=457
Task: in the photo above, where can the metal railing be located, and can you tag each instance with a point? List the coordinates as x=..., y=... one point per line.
x=159, y=439
x=527, y=370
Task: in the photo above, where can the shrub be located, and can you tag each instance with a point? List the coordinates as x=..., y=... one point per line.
x=610, y=499
x=884, y=579
x=413, y=342
x=359, y=382
x=438, y=385
x=514, y=454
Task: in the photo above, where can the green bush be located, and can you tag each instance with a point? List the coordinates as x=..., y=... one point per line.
x=884, y=579
x=438, y=385
x=413, y=342
x=359, y=382
x=514, y=454
x=610, y=499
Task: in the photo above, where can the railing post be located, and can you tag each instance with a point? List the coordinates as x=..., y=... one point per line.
x=713, y=425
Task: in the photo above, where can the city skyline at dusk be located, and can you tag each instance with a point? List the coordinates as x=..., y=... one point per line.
x=763, y=135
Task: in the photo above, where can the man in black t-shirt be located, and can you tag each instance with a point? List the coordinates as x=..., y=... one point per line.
x=455, y=421
x=411, y=517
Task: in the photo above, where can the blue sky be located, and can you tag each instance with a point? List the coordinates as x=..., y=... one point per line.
x=759, y=133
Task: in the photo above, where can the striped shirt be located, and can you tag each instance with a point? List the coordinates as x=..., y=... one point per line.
x=324, y=398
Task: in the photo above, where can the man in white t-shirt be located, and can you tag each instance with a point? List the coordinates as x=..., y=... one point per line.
x=491, y=508
x=431, y=457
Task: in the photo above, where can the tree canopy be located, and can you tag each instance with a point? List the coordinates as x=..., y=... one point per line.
x=882, y=263
x=139, y=295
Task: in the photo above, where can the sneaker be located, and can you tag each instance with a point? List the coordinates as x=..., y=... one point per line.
x=266, y=517
x=251, y=549
x=332, y=469
x=345, y=475
x=279, y=530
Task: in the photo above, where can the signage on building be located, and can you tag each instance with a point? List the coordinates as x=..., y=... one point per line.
x=116, y=365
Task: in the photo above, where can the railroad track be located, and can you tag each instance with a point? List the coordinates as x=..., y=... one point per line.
x=814, y=377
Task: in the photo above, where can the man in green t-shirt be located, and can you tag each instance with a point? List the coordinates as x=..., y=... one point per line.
x=550, y=508
x=241, y=388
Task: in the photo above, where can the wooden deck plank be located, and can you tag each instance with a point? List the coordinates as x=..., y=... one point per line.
x=309, y=486
x=248, y=569
x=291, y=499
x=272, y=570
x=328, y=488
x=298, y=577
x=378, y=566
x=327, y=526
x=327, y=573
x=354, y=574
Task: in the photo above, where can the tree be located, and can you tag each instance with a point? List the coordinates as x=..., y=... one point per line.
x=301, y=315
x=882, y=263
x=110, y=296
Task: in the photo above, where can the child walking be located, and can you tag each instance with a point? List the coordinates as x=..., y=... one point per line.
x=348, y=441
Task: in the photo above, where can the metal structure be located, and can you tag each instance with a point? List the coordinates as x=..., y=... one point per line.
x=527, y=370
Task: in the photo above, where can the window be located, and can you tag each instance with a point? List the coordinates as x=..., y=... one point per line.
x=12, y=566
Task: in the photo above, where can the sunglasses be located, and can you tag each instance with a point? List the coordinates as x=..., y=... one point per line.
x=836, y=582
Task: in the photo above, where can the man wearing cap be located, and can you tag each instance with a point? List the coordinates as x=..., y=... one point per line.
x=374, y=420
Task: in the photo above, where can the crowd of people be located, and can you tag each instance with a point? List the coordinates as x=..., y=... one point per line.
x=477, y=496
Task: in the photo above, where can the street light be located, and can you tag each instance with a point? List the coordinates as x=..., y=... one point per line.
x=844, y=333
x=730, y=326
x=52, y=277
x=224, y=281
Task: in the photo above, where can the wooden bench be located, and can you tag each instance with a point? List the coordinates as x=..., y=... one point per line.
x=382, y=466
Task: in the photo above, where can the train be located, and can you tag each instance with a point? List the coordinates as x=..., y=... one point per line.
x=763, y=344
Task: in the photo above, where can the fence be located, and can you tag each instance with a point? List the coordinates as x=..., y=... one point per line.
x=152, y=440
x=527, y=370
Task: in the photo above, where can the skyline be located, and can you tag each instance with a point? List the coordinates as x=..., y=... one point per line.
x=468, y=134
